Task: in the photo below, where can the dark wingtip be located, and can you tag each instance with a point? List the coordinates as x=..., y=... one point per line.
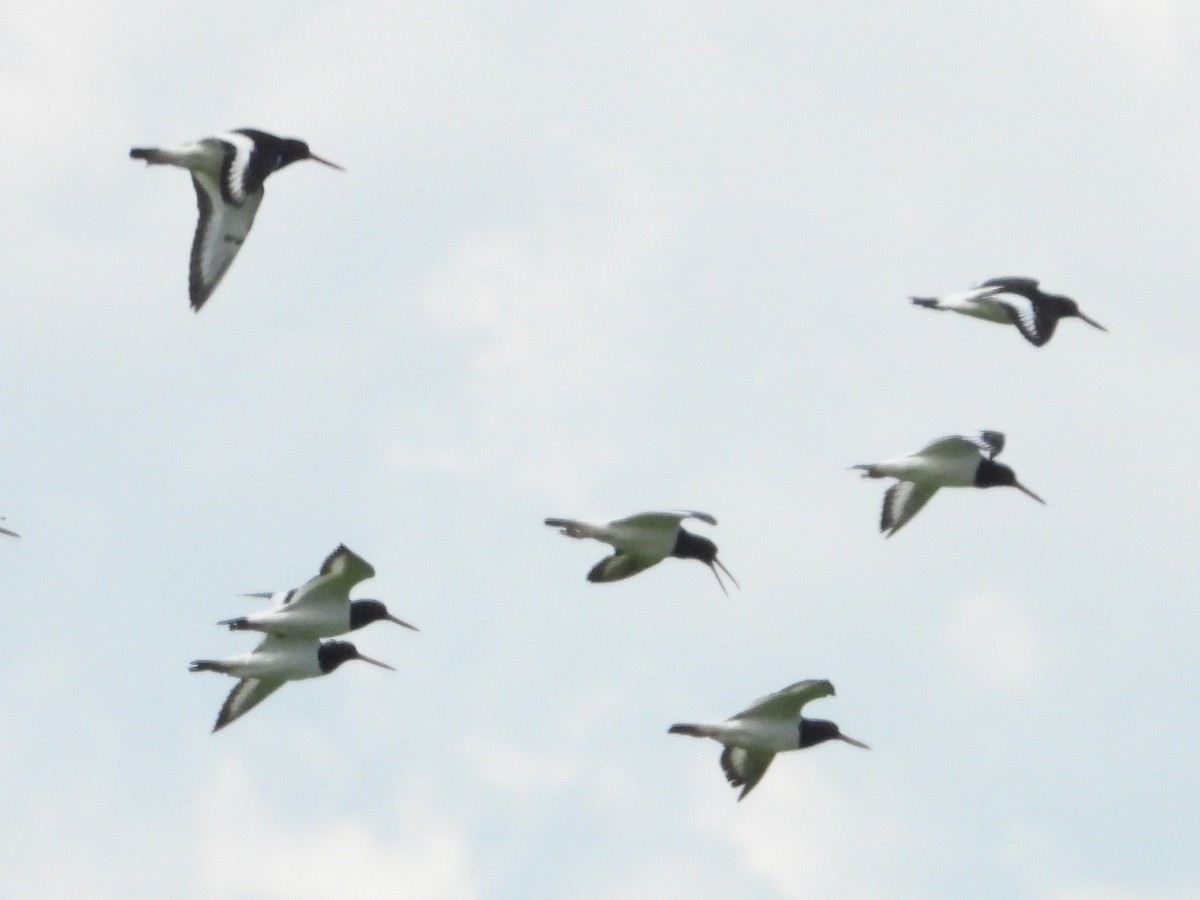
x=239, y=624
x=148, y=154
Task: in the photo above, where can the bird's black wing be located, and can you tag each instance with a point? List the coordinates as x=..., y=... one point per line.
x=220, y=232
x=745, y=768
x=617, y=567
x=246, y=694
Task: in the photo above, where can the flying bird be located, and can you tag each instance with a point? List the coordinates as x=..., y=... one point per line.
x=6, y=531
x=228, y=171
x=958, y=461
x=644, y=540
x=1012, y=301
x=275, y=661
x=322, y=606
x=772, y=724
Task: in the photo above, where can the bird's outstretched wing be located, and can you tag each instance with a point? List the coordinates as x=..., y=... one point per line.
x=617, y=566
x=901, y=502
x=1027, y=306
x=340, y=572
x=745, y=768
x=989, y=443
x=667, y=519
x=955, y=446
x=1034, y=322
x=220, y=232
x=347, y=564
x=1015, y=284
x=246, y=694
x=787, y=702
x=277, y=598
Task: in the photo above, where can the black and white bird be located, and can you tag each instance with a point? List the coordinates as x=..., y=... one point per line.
x=644, y=540
x=6, y=531
x=228, y=171
x=274, y=662
x=772, y=724
x=322, y=606
x=957, y=461
x=1012, y=301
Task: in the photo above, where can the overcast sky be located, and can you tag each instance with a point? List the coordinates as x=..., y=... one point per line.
x=588, y=260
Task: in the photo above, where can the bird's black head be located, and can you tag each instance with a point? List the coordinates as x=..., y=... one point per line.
x=290, y=150
x=277, y=152
x=993, y=474
x=364, y=612
x=692, y=546
x=817, y=731
x=332, y=654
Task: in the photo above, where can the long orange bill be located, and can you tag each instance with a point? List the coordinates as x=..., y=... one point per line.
x=850, y=740
x=1092, y=322
x=392, y=618
x=1022, y=487
x=713, y=565
x=331, y=165
x=376, y=662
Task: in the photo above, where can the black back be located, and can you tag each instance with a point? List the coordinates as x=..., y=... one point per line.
x=816, y=731
x=1048, y=308
x=692, y=546
x=993, y=474
x=364, y=612
x=332, y=654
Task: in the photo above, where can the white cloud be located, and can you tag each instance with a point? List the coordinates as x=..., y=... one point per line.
x=1041, y=862
x=513, y=769
x=807, y=836
x=995, y=639
x=1159, y=37
x=246, y=851
x=545, y=312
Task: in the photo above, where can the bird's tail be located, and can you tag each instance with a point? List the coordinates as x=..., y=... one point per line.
x=208, y=665
x=869, y=470
x=927, y=302
x=239, y=624
x=151, y=155
x=691, y=730
x=572, y=528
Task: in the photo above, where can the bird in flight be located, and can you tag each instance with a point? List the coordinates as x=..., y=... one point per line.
x=228, y=171
x=957, y=461
x=1012, y=301
x=644, y=540
x=770, y=725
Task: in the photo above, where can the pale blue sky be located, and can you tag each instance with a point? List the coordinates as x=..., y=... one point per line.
x=588, y=261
